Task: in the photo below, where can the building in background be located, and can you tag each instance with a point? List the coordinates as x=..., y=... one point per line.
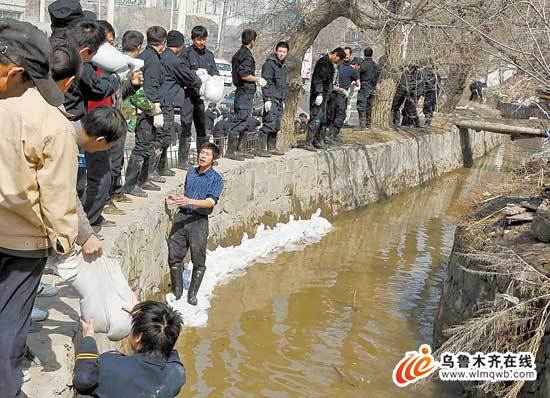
x=12, y=9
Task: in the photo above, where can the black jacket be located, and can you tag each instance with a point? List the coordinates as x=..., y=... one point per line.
x=89, y=87
x=153, y=75
x=369, y=74
x=322, y=79
x=242, y=65
x=196, y=58
x=274, y=72
x=224, y=126
x=178, y=77
x=409, y=80
x=113, y=375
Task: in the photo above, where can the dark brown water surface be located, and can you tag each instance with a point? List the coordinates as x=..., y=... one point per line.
x=334, y=319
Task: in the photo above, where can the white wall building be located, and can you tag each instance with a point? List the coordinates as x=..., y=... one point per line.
x=12, y=8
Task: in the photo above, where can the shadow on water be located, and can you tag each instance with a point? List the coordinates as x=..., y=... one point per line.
x=334, y=319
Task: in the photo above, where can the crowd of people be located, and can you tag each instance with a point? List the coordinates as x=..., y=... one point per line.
x=65, y=122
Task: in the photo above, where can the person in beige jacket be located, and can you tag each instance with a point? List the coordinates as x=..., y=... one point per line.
x=37, y=186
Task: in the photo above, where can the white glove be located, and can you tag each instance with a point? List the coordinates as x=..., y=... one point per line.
x=158, y=121
x=201, y=72
x=318, y=100
x=157, y=110
x=284, y=106
x=262, y=82
x=202, y=90
x=346, y=93
x=267, y=106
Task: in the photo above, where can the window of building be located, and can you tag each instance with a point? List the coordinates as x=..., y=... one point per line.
x=10, y=14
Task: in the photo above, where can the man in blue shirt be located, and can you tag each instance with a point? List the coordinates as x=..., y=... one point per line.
x=203, y=187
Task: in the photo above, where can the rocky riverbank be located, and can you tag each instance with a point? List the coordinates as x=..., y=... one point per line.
x=497, y=290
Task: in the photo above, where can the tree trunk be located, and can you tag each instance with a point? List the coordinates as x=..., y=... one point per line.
x=390, y=70
x=454, y=87
x=304, y=36
x=389, y=76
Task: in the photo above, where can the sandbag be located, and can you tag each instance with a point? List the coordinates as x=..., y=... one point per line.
x=103, y=290
x=213, y=91
x=109, y=59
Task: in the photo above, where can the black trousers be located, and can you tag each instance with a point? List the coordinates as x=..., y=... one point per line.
x=365, y=96
x=243, y=110
x=272, y=119
x=19, y=279
x=336, y=110
x=163, y=135
x=189, y=231
x=317, y=116
x=192, y=111
x=144, y=136
x=430, y=103
x=98, y=184
x=117, y=164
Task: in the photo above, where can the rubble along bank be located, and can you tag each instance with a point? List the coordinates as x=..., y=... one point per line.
x=497, y=280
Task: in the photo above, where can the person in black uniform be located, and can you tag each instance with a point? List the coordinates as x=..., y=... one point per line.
x=211, y=114
x=274, y=94
x=338, y=101
x=322, y=83
x=243, y=72
x=200, y=60
x=405, y=94
x=144, y=152
x=69, y=23
x=431, y=81
x=178, y=78
x=369, y=78
x=155, y=370
x=476, y=90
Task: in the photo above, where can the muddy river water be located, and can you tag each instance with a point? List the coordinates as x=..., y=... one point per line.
x=334, y=319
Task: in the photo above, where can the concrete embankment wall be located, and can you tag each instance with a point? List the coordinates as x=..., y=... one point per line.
x=270, y=190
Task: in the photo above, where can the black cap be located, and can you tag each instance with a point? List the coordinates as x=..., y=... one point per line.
x=27, y=47
x=64, y=13
x=174, y=39
x=89, y=16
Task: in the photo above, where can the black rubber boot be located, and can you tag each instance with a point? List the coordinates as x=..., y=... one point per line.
x=310, y=136
x=242, y=146
x=335, y=134
x=183, y=153
x=396, y=118
x=133, y=170
x=232, y=145
x=176, y=279
x=196, y=280
x=163, y=168
x=154, y=160
x=272, y=145
x=262, y=146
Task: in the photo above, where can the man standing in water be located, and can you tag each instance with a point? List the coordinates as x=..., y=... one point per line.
x=203, y=187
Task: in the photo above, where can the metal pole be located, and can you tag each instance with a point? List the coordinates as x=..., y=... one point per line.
x=182, y=16
x=221, y=28
x=172, y=15
x=111, y=11
x=42, y=10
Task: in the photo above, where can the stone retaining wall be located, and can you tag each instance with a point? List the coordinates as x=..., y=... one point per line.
x=269, y=190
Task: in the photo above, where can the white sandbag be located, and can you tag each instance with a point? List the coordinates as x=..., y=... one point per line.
x=213, y=91
x=103, y=290
x=109, y=59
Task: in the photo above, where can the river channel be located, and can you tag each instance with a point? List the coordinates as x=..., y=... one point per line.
x=334, y=319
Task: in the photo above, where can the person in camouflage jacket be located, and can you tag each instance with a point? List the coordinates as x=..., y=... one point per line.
x=135, y=104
